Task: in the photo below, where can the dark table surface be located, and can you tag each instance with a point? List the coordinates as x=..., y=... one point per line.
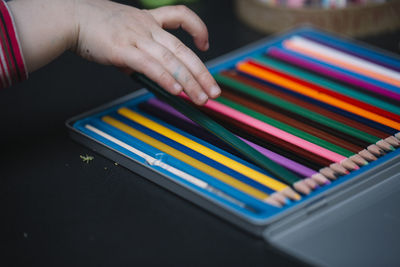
x=58, y=211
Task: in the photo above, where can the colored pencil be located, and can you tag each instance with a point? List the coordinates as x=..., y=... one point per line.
x=257, y=120
x=329, y=72
x=273, y=143
x=296, y=121
x=172, y=116
x=265, y=94
x=297, y=72
x=286, y=128
x=237, y=166
x=299, y=88
x=168, y=114
x=256, y=123
x=223, y=112
x=317, y=79
x=193, y=153
x=328, y=91
x=226, y=136
x=355, y=50
x=181, y=174
x=188, y=160
x=381, y=143
x=388, y=140
x=342, y=60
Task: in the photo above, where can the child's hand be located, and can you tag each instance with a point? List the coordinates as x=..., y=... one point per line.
x=127, y=37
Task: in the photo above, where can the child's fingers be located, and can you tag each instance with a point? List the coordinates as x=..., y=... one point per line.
x=175, y=67
x=143, y=63
x=173, y=17
x=190, y=60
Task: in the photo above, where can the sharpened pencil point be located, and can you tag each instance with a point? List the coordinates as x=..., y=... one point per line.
x=302, y=187
x=338, y=169
x=397, y=135
x=367, y=155
x=385, y=145
x=393, y=141
x=329, y=173
x=360, y=161
x=311, y=183
x=320, y=179
x=374, y=149
x=290, y=193
x=349, y=165
x=273, y=202
x=279, y=198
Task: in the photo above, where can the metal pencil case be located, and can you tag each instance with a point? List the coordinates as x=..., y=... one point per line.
x=339, y=215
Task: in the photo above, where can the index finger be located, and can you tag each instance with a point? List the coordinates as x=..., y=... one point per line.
x=191, y=61
x=173, y=17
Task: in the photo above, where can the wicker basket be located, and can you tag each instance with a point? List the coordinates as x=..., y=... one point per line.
x=356, y=20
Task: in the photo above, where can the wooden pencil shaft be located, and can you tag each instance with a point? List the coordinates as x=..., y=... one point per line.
x=169, y=168
x=250, y=110
x=342, y=60
x=333, y=75
x=190, y=128
x=294, y=120
x=307, y=105
x=267, y=75
x=183, y=143
x=322, y=162
x=317, y=79
x=185, y=158
x=265, y=96
x=175, y=118
x=329, y=92
x=246, y=134
x=225, y=136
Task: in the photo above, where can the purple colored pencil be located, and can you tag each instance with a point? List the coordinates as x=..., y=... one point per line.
x=316, y=67
x=283, y=161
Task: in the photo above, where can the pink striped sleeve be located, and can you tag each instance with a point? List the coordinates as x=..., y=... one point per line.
x=12, y=65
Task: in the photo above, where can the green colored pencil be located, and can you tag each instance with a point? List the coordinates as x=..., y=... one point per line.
x=285, y=127
x=295, y=108
x=296, y=72
x=219, y=131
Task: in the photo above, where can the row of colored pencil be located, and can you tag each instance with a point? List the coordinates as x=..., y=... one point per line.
x=290, y=101
x=299, y=116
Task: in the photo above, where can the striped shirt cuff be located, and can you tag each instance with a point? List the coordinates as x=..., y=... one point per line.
x=12, y=65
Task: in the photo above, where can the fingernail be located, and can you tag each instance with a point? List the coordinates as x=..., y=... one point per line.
x=215, y=91
x=177, y=88
x=201, y=98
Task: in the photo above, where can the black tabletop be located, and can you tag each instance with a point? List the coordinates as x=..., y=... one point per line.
x=57, y=210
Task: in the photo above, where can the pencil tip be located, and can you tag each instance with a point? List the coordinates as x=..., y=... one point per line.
x=367, y=155
x=279, y=197
x=290, y=193
x=393, y=141
x=302, y=187
x=320, y=179
x=328, y=172
x=375, y=150
x=384, y=145
x=360, y=161
x=338, y=168
x=273, y=202
x=311, y=183
x=349, y=165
